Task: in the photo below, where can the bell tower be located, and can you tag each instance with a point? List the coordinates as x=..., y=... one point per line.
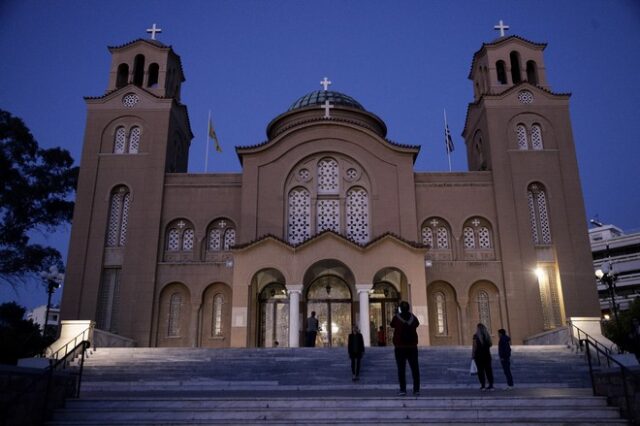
x=135, y=134
x=519, y=131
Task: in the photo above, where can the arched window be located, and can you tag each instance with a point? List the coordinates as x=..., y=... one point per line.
x=536, y=137
x=327, y=176
x=357, y=204
x=441, y=314
x=427, y=236
x=538, y=215
x=502, y=72
x=180, y=236
x=438, y=228
x=299, y=228
x=532, y=73
x=229, y=238
x=216, y=320
x=134, y=140
x=515, y=67
x=469, y=238
x=215, y=239
x=521, y=133
x=123, y=76
x=118, y=217
x=120, y=140
x=484, y=309
x=221, y=235
x=476, y=234
x=153, y=75
x=138, y=70
x=175, y=305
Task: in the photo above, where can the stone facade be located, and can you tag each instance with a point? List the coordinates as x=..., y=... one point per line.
x=327, y=215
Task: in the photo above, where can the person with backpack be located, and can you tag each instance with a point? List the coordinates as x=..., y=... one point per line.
x=405, y=340
x=481, y=354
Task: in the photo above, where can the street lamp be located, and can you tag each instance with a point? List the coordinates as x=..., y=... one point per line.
x=53, y=278
x=608, y=277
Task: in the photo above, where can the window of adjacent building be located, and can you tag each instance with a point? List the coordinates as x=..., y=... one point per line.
x=180, y=236
x=441, y=314
x=538, y=214
x=118, y=217
x=484, y=308
x=175, y=306
x=216, y=324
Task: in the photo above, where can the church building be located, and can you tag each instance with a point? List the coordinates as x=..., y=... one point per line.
x=327, y=215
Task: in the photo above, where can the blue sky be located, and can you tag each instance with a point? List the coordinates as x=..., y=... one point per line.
x=405, y=61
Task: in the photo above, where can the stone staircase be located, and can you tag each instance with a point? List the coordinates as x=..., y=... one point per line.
x=162, y=386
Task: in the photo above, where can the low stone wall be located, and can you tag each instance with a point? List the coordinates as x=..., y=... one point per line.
x=104, y=339
x=610, y=383
x=557, y=336
x=22, y=402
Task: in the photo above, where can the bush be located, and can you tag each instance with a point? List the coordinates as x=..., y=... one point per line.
x=20, y=338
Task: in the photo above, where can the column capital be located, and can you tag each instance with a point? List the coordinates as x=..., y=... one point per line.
x=294, y=288
x=361, y=288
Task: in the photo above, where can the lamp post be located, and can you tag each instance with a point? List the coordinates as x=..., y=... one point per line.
x=608, y=277
x=53, y=278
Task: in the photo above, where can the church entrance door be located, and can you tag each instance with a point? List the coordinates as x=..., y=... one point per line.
x=274, y=317
x=329, y=296
x=383, y=305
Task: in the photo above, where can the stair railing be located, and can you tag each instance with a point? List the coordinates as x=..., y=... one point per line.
x=42, y=384
x=73, y=344
x=582, y=336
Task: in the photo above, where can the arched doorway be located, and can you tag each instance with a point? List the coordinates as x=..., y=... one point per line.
x=330, y=297
x=383, y=303
x=274, y=316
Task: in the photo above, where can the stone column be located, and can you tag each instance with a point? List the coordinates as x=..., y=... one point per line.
x=363, y=298
x=294, y=314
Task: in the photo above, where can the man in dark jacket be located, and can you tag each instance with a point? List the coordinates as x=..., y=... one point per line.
x=356, y=350
x=405, y=340
x=504, y=351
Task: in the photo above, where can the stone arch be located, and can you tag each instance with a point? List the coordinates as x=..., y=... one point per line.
x=215, y=318
x=264, y=309
x=174, y=316
x=444, y=314
x=390, y=286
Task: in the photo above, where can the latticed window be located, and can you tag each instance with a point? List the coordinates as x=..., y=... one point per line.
x=120, y=140
x=469, y=238
x=216, y=324
x=134, y=140
x=438, y=228
x=536, y=137
x=215, y=239
x=358, y=215
x=328, y=212
x=299, y=215
x=484, y=308
x=442, y=238
x=229, y=238
x=476, y=235
x=118, y=217
x=180, y=236
x=327, y=176
x=221, y=235
x=427, y=236
x=538, y=215
x=521, y=133
x=484, y=237
x=441, y=314
x=175, y=306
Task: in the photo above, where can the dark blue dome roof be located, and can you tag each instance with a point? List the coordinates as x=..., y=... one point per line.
x=318, y=97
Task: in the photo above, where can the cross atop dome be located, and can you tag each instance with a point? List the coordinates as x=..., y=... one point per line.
x=501, y=27
x=153, y=30
x=325, y=83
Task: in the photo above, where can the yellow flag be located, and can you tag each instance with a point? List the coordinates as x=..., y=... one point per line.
x=212, y=135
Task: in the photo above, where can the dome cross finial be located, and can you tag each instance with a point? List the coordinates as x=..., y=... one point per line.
x=325, y=83
x=501, y=27
x=153, y=30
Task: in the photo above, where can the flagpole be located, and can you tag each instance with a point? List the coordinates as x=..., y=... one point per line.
x=206, y=152
x=446, y=127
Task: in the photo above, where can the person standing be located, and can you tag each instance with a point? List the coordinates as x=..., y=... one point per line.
x=405, y=340
x=312, y=330
x=381, y=336
x=355, y=347
x=481, y=353
x=504, y=352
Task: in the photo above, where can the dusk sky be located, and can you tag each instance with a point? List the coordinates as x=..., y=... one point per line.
x=405, y=61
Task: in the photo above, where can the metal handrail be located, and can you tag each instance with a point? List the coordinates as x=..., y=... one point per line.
x=80, y=337
x=607, y=350
x=48, y=376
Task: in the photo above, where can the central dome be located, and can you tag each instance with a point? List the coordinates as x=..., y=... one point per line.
x=318, y=97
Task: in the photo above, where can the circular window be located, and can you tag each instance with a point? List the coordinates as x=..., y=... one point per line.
x=352, y=174
x=525, y=97
x=130, y=100
x=304, y=175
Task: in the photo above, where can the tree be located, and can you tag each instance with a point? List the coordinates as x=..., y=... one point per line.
x=625, y=333
x=20, y=338
x=36, y=184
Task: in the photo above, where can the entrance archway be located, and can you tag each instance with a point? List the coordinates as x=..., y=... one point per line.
x=383, y=304
x=330, y=297
x=274, y=316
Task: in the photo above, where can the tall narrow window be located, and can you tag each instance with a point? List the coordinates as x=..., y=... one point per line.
x=484, y=309
x=229, y=238
x=532, y=73
x=134, y=140
x=538, y=215
x=357, y=204
x=536, y=137
x=175, y=305
x=441, y=314
x=215, y=239
x=123, y=76
x=515, y=67
x=299, y=216
x=153, y=75
x=328, y=215
x=187, y=239
x=216, y=325
x=108, y=300
x=327, y=176
x=502, y=72
x=138, y=70
x=118, y=217
x=120, y=140
x=469, y=238
x=521, y=134
x=427, y=236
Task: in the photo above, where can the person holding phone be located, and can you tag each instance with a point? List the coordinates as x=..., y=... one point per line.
x=405, y=340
